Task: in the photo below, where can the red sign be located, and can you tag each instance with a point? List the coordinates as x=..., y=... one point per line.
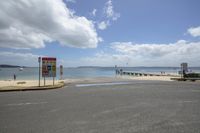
x=48, y=67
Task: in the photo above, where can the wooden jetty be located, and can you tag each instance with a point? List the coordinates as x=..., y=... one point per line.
x=142, y=74
x=175, y=77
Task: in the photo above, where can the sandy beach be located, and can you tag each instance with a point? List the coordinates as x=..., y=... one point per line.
x=29, y=83
x=26, y=83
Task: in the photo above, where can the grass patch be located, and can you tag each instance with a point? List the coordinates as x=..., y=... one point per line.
x=192, y=75
x=21, y=83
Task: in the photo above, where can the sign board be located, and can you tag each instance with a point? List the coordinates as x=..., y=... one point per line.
x=48, y=67
x=184, y=67
x=61, y=70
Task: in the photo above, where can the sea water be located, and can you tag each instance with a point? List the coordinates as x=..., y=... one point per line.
x=32, y=73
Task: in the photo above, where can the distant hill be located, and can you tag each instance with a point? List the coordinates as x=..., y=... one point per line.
x=89, y=67
x=9, y=66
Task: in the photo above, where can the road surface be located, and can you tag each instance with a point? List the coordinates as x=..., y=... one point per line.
x=136, y=107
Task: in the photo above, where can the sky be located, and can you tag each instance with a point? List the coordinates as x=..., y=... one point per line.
x=125, y=33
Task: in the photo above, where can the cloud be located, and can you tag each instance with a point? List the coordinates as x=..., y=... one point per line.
x=103, y=25
x=21, y=59
x=110, y=15
x=194, y=31
x=100, y=39
x=94, y=12
x=104, y=59
x=181, y=47
x=72, y=1
x=109, y=11
x=30, y=24
x=132, y=54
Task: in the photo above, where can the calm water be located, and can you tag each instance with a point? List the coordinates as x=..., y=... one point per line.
x=32, y=73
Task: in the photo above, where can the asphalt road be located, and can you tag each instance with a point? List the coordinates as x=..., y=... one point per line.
x=137, y=107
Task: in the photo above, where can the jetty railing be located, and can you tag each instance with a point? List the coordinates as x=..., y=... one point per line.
x=140, y=74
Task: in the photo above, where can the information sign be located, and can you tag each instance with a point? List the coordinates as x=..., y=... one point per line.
x=48, y=67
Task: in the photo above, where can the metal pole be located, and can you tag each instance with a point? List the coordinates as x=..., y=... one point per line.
x=39, y=69
x=53, y=80
x=44, y=80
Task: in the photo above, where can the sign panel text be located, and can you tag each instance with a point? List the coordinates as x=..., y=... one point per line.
x=48, y=67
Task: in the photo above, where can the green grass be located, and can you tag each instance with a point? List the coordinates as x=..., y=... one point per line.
x=192, y=75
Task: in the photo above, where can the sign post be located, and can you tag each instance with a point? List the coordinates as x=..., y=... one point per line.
x=39, y=60
x=48, y=67
x=61, y=72
x=53, y=80
x=44, y=81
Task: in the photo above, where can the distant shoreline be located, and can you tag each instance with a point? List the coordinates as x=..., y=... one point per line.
x=173, y=67
x=11, y=66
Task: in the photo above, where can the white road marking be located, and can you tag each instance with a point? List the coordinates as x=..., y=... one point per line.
x=188, y=101
x=54, y=110
x=24, y=104
x=102, y=84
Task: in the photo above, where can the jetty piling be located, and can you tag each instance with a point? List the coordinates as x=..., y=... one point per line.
x=120, y=72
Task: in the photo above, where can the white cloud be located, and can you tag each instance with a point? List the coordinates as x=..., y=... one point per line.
x=109, y=11
x=103, y=25
x=72, y=1
x=110, y=15
x=21, y=59
x=194, y=31
x=100, y=39
x=104, y=59
x=22, y=38
x=180, y=48
x=29, y=24
x=131, y=54
x=94, y=12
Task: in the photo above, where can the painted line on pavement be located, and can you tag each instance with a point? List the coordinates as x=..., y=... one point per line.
x=24, y=104
x=103, y=84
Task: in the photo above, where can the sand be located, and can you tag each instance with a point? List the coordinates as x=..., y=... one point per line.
x=29, y=83
x=26, y=83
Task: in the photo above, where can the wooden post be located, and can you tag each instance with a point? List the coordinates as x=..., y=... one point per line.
x=53, y=81
x=44, y=81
